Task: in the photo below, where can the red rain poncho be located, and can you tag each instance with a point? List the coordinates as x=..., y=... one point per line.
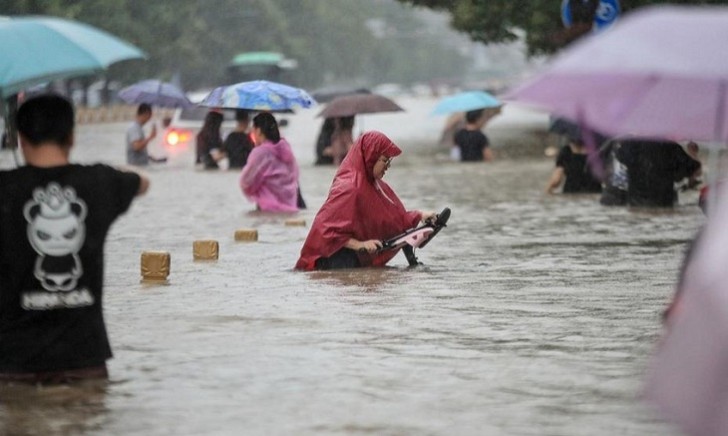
x=358, y=207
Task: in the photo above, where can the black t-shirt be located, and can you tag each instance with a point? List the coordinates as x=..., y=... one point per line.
x=579, y=178
x=238, y=146
x=653, y=168
x=471, y=144
x=53, y=224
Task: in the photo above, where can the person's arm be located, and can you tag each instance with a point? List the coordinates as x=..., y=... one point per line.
x=218, y=151
x=488, y=154
x=140, y=144
x=143, y=179
x=692, y=149
x=485, y=145
x=686, y=165
x=556, y=178
x=371, y=246
x=143, y=185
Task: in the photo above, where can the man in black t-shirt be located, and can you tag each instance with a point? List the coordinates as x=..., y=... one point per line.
x=237, y=144
x=573, y=168
x=653, y=167
x=471, y=141
x=54, y=217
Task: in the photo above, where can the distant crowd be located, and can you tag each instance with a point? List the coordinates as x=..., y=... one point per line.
x=626, y=171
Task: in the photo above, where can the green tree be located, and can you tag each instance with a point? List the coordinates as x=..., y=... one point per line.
x=330, y=39
x=495, y=21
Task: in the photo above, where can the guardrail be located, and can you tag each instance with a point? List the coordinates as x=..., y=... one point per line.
x=112, y=114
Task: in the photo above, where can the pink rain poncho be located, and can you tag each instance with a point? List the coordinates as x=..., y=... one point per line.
x=270, y=178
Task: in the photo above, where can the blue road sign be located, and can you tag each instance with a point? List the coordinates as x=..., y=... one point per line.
x=606, y=13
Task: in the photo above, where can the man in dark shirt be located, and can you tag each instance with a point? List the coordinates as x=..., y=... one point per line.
x=653, y=167
x=471, y=140
x=54, y=217
x=238, y=144
x=573, y=168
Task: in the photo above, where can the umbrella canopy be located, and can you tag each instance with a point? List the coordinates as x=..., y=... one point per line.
x=687, y=375
x=36, y=50
x=350, y=105
x=659, y=72
x=155, y=93
x=328, y=93
x=259, y=95
x=466, y=101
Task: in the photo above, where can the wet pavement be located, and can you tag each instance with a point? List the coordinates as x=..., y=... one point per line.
x=532, y=314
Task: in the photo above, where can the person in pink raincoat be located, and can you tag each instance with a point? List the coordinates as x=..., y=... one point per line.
x=270, y=178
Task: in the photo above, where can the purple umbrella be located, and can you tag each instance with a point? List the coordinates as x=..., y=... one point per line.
x=155, y=93
x=688, y=374
x=660, y=72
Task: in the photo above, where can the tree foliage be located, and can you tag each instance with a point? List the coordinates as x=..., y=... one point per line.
x=496, y=21
x=198, y=38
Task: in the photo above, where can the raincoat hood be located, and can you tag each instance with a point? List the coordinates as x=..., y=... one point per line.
x=358, y=206
x=365, y=152
x=281, y=150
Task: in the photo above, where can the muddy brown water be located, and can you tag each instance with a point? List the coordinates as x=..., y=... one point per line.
x=532, y=315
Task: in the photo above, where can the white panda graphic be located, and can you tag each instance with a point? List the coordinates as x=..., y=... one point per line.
x=57, y=231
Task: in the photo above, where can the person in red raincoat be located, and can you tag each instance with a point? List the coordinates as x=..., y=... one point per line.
x=360, y=211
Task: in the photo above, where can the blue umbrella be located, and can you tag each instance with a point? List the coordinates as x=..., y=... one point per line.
x=155, y=93
x=466, y=101
x=36, y=50
x=260, y=95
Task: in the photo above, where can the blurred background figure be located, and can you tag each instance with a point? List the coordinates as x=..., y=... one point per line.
x=653, y=168
x=453, y=124
x=270, y=178
x=572, y=168
x=136, y=140
x=323, y=142
x=209, y=142
x=238, y=145
x=471, y=141
x=616, y=179
x=342, y=139
x=695, y=180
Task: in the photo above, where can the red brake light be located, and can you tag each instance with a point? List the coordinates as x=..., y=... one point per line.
x=173, y=138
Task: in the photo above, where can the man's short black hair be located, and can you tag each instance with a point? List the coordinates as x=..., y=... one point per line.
x=144, y=108
x=474, y=115
x=242, y=115
x=46, y=118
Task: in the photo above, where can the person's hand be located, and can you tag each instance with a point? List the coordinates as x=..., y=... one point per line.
x=370, y=246
x=428, y=217
x=693, y=149
x=153, y=133
x=217, y=154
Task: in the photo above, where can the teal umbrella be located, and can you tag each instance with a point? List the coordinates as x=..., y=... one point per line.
x=37, y=49
x=466, y=101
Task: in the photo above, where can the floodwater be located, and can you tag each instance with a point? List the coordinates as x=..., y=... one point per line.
x=532, y=315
